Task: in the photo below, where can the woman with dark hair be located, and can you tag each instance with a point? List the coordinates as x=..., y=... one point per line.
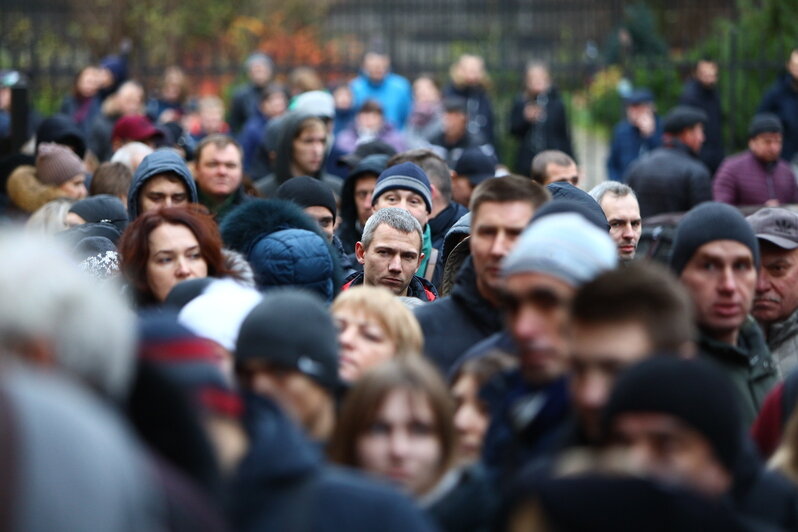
x=163, y=247
x=83, y=105
x=396, y=423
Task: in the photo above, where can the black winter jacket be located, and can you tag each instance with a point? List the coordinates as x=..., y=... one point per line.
x=669, y=179
x=454, y=324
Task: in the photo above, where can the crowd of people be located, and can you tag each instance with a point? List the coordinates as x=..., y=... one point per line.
x=335, y=308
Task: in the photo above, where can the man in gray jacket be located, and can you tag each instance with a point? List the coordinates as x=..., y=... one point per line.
x=776, y=298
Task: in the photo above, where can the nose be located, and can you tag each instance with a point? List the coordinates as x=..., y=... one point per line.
x=464, y=417
x=167, y=202
x=628, y=232
x=396, y=263
x=500, y=245
x=593, y=392
x=762, y=282
x=727, y=281
x=182, y=270
x=527, y=324
x=398, y=445
x=346, y=336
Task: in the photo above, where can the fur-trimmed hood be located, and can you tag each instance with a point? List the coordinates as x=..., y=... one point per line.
x=27, y=192
x=246, y=227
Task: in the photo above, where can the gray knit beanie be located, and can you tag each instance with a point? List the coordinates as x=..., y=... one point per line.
x=563, y=245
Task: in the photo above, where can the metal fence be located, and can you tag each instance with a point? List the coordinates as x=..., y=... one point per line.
x=574, y=36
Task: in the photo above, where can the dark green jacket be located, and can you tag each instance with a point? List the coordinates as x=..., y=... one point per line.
x=749, y=364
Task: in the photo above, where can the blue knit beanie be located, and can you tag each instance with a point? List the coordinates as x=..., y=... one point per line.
x=405, y=176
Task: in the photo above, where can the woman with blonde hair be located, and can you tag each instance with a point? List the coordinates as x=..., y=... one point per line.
x=374, y=326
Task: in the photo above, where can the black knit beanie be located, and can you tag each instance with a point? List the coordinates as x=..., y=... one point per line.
x=692, y=391
x=706, y=223
x=102, y=208
x=292, y=329
x=306, y=191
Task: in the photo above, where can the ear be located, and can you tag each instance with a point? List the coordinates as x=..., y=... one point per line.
x=420, y=258
x=360, y=253
x=434, y=192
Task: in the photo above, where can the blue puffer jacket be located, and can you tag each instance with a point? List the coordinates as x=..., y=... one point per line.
x=284, y=246
x=294, y=257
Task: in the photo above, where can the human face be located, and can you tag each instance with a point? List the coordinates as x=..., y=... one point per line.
x=404, y=199
x=662, y=446
x=425, y=91
x=623, y=215
x=75, y=188
x=766, y=146
x=693, y=137
x=308, y=152
x=303, y=399
x=472, y=70
x=175, y=256
x=721, y=279
x=537, y=80
x=88, y=82
x=260, y=73
x=455, y=124
x=565, y=174
x=706, y=72
x=391, y=259
x=376, y=66
x=323, y=217
x=130, y=100
x=537, y=314
x=369, y=122
x=777, y=287
x=495, y=227
x=275, y=104
x=364, y=343
x=598, y=353
x=462, y=190
x=364, y=187
x=401, y=445
x=219, y=170
x=470, y=418
x=792, y=64
x=162, y=191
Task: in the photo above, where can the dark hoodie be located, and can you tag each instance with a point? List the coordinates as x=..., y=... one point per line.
x=289, y=125
x=163, y=161
x=283, y=484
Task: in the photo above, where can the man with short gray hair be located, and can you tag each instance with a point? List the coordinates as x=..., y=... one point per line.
x=619, y=203
x=390, y=252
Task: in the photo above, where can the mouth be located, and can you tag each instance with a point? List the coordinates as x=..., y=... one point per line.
x=727, y=310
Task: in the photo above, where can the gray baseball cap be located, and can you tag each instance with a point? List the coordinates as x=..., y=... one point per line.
x=776, y=225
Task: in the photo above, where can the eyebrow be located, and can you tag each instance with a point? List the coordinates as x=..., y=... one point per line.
x=170, y=250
